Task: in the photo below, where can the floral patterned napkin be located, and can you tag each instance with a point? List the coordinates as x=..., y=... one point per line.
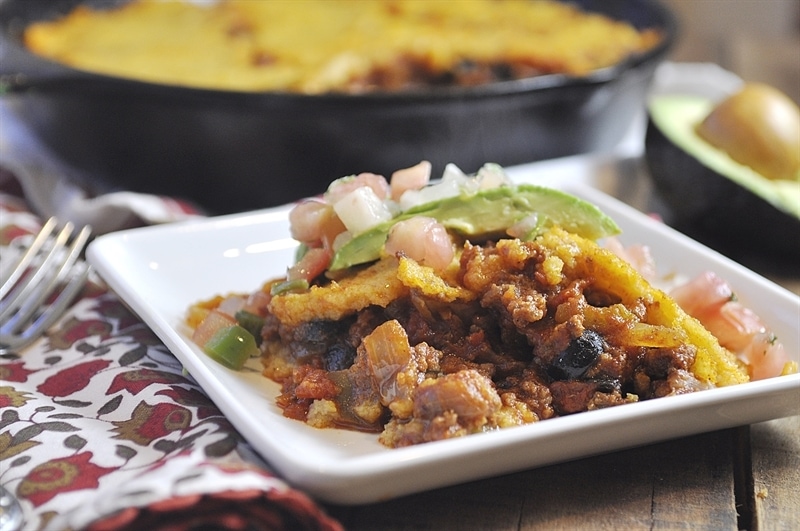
x=101, y=429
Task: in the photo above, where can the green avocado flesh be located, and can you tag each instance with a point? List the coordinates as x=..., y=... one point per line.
x=676, y=117
x=484, y=213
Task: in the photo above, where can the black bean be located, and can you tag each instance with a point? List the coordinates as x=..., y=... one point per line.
x=578, y=357
x=313, y=338
x=339, y=357
x=318, y=331
x=608, y=385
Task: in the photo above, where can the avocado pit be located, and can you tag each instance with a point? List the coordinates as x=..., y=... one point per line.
x=758, y=126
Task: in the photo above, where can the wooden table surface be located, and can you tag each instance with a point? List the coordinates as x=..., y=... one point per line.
x=740, y=478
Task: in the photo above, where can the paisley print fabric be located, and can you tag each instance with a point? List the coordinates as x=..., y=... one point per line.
x=100, y=428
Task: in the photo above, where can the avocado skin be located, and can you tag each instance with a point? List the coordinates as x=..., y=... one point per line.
x=714, y=209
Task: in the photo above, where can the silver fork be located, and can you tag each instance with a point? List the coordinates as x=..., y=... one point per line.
x=42, y=284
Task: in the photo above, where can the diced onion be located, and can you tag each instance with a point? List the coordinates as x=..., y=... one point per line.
x=451, y=185
x=361, y=209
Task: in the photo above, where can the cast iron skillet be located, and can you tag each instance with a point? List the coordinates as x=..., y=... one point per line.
x=234, y=151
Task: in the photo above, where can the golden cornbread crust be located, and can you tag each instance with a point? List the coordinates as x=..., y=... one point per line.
x=375, y=286
x=318, y=46
x=518, y=332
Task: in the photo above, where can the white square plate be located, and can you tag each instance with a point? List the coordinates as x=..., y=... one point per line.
x=159, y=271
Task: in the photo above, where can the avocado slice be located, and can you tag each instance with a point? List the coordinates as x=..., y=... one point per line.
x=484, y=213
x=709, y=192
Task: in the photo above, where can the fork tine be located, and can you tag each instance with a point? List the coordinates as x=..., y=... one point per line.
x=51, y=313
x=37, y=278
x=26, y=259
x=40, y=285
x=26, y=312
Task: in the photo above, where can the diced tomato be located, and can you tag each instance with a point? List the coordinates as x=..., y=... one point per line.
x=412, y=178
x=257, y=302
x=703, y=295
x=311, y=265
x=307, y=220
x=422, y=239
x=213, y=323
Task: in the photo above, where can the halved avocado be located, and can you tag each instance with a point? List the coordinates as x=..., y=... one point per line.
x=712, y=196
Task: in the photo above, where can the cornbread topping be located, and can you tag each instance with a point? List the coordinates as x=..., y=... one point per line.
x=457, y=327
x=318, y=46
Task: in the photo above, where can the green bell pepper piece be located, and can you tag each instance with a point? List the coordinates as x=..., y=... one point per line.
x=231, y=346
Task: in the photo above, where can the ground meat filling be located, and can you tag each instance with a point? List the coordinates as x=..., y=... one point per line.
x=532, y=345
